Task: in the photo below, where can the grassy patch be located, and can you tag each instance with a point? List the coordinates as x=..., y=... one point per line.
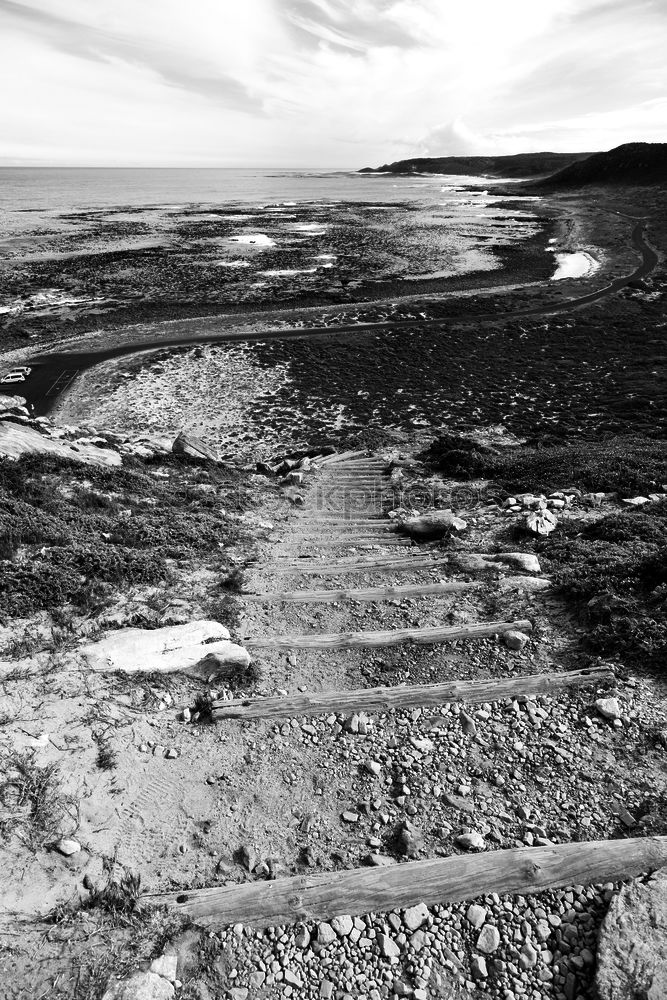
x=32, y=803
x=70, y=534
x=628, y=465
x=615, y=572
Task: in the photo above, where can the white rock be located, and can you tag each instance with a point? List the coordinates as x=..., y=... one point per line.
x=476, y=915
x=488, y=940
x=415, y=916
x=526, y=561
x=388, y=947
x=68, y=847
x=176, y=648
x=140, y=986
x=471, y=841
x=342, y=925
x=17, y=440
x=609, y=708
x=433, y=524
x=326, y=934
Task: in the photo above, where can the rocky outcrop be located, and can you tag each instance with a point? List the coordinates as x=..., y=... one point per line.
x=17, y=440
x=199, y=649
x=632, y=946
x=194, y=447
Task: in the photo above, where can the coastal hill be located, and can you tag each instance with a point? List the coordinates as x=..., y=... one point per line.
x=631, y=163
x=517, y=165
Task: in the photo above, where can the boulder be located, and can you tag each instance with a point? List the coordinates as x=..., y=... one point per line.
x=188, y=444
x=632, y=944
x=515, y=640
x=9, y=402
x=432, y=524
x=183, y=649
x=140, y=986
x=17, y=439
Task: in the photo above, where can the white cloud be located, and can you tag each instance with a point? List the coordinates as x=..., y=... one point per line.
x=324, y=82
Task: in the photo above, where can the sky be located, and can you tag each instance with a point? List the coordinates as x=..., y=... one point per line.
x=324, y=83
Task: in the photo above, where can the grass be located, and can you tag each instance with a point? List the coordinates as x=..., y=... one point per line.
x=615, y=573
x=72, y=534
x=33, y=804
x=628, y=465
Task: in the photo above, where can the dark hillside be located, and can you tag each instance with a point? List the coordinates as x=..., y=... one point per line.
x=518, y=165
x=632, y=163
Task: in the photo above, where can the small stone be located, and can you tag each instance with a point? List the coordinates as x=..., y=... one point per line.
x=68, y=847
x=388, y=947
x=515, y=640
x=291, y=978
x=342, y=925
x=238, y=993
x=528, y=956
x=467, y=724
x=171, y=754
x=489, y=939
x=326, y=989
x=471, y=841
x=350, y=817
x=476, y=915
x=302, y=936
x=478, y=967
x=373, y=767
x=140, y=986
x=326, y=934
x=379, y=860
x=415, y=916
x=609, y=708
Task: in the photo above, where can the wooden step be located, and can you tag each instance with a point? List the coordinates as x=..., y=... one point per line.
x=392, y=637
x=383, y=699
x=439, y=881
x=367, y=594
x=341, y=567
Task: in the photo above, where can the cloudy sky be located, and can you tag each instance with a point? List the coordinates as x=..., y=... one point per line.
x=324, y=83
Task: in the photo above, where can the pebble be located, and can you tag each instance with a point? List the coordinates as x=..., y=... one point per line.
x=326, y=934
x=608, y=708
x=415, y=916
x=471, y=841
x=342, y=925
x=67, y=846
x=387, y=946
x=489, y=939
x=476, y=915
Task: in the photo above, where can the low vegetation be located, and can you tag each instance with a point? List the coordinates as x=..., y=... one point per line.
x=33, y=806
x=72, y=534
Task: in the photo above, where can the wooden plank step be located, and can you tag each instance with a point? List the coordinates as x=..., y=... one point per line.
x=388, y=542
x=393, y=637
x=341, y=567
x=342, y=456
x=383, y=699
x=367, y=594
x=439, y=881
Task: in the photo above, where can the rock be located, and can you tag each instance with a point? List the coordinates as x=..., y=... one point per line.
x=632, y=944
x=489, y=939
x=415, y=916
x=541, y=522
x=478, y=967
x=326, y=934
x=379, y=860
x=515, y=640
x=326, y=989
x=176, y=648
x=373, y=767
x=68, y=847
x=528, y=956
x=637, y=501
x=292, y=979
x=388, y=947
x=350, y=817
x=342, y=925
x=467, y=723
x=238, y=993
x=9, y=402
x=140, y=986
x=432, y=524
x=526, y=561
x=17, y=440
x=165, y=966
x=609, y=708
x=188, y=444
x=410, y=840
x=471, y=841
x=476, y=915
